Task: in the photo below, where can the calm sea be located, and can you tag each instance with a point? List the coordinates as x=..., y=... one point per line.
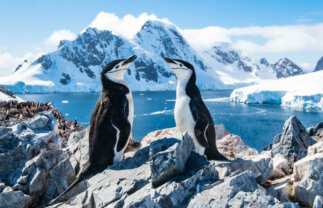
x=256, y=124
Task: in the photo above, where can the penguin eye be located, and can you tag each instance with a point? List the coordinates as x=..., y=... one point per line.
x=181, y=65
x=117, y=67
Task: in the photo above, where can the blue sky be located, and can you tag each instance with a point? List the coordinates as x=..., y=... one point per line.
x=25, y=25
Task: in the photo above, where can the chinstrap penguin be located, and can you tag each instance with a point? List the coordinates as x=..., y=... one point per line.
x=111, y=121
x=191, y=114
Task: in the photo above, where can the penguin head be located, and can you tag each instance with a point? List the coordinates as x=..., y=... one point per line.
x=116, y=69
x=183, y=70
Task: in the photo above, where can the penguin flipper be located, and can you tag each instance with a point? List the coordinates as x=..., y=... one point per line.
x=122, y=122
x=200, y=130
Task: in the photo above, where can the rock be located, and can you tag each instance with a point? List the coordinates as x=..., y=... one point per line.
x=38, y=122
x=316, y=131
x=318, y=202
x=237, y=191
x=169, y=163
x=220, y=131
x=315, y=148
x=38, y=181
x=78, y=146
x=280, y=167
x=292, y=143
x=10, y=198
x=260, y=167
x=160, y=134
x=232, y=147
x=308, y=177
x=229, y=145
x=258, y=198
x=265, y=166
x=282, y=188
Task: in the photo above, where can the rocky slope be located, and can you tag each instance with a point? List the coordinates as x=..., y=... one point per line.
x=75, y=66
x=285, y=68
x=319, y=65
x=37, y=164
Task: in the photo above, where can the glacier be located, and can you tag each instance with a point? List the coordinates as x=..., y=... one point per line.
x=302, y=92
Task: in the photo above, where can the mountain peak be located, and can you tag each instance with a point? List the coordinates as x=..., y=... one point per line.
x=284, y=68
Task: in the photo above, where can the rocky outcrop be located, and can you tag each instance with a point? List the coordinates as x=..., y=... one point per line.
x=292, y=143
x=316, y=131
x=230, y=145
x=34, y=167
x=129, y=183
x=308, y=177
x=37, y=164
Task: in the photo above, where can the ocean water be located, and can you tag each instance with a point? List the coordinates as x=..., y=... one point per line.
x=256, y=124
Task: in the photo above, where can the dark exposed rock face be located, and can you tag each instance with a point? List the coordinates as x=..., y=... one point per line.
x=319, y=65
x=224, y=54
x=285, y=68
x=66, y=79
x=264, y=61
x=45, y=61
x=7, y=92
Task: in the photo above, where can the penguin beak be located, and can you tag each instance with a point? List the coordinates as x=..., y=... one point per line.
x=169, y=61
x=129, y=60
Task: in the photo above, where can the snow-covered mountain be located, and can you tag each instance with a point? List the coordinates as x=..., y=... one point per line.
x=75, y=66
x=319, y=65
x=285, y=68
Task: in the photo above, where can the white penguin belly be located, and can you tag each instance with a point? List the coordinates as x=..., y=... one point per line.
x=185, y=121
x=118, y=155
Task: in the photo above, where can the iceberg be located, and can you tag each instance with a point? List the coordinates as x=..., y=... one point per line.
x=302, y=91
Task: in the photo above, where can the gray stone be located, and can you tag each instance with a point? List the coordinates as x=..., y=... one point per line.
x=169, y=163
x=220, y=195
x=318, y=202
x=308, y=178
x=38, y=122
x=260, y=166
x=281, y=167
x=315, y=148
x=282, y=189
x=293, y=142
x=37, y=182
x=10, y=199
x=257, y=198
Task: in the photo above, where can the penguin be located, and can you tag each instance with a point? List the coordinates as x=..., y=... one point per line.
x=190, y=113
x=111, y=122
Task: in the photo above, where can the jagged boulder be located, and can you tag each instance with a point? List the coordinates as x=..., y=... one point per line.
x=316, y=131
x=292, y=143
x=308, y=178
x=10, y=198
x=166, y=164
x=33, y=163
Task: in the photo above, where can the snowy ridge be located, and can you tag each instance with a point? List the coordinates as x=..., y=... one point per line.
x=303, y=91
x=7, y=95
x=75, y=66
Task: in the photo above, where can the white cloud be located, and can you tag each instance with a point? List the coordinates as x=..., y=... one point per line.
x=8, y=63
x=127, y=26
x=59, y=35
x=277, y=39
